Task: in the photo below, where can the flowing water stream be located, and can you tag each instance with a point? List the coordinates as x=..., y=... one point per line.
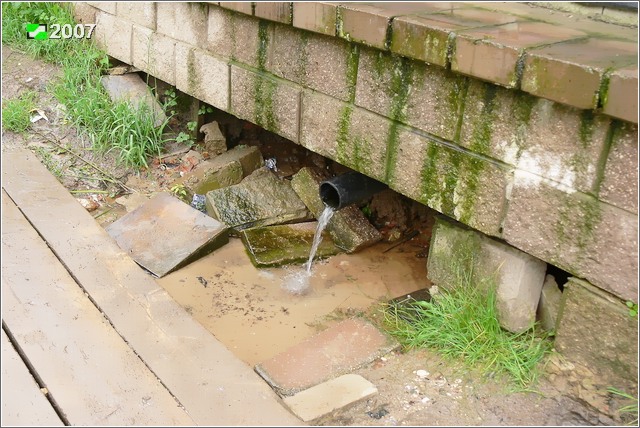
x=297, y=282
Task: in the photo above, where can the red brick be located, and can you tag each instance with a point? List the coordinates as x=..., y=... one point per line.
x=570, y=73
x=492, y=53
x=621, y=100
x=333, y=352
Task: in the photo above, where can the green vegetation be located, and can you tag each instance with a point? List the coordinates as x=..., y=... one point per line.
x=16, y=113
x=629, y=409
x=120, y=126
x=463, y=323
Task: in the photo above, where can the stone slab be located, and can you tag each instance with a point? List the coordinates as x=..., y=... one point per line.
x=130, y=87
x=326, y=397
x=26, y=405
x=349, y=228
x=595, y=330
x=549, y=304
x=165, y=234
x=457, y=253
x=285, y=244
x=261, y=199
x=341, y=348
x=621, y=99
x=211, y=383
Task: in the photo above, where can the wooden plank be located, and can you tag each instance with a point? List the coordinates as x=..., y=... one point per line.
x=23, y=404
x=95, y=378
x=215, y=387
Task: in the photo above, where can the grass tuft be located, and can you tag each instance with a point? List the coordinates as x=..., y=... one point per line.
x=463, y=323
x=16, y=113
x=129, y=130
x=629, y=409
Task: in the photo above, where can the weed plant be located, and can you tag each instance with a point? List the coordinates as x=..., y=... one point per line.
x=630, y=409
x=16, y=113
x=463, y=323
x=121, y=126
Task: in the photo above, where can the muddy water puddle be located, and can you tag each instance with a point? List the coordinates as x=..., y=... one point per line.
x=250, y=311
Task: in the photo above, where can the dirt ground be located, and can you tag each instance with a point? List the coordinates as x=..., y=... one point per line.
x=253, y=316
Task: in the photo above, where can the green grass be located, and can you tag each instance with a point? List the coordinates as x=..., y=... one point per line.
x=463, y=323
x=16, y=113
x=122, y=127
x=629, y=409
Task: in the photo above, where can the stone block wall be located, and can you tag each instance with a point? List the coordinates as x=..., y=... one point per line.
x=509, y=147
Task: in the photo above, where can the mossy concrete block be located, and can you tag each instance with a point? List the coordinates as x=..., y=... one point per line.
x=468, y=188
x=236, y=36
x=549, y=304
x=595, y=330
x=141, y=13
x=285, y=244
x=347, y=134
x=456, y=252
x=576, y=232
x=301, y=57
x=183, y=21
x=202, y=75
x=411, y=92
x=536, y=135
x=620, y=184
x=113, y=35
x=265, y=100
x=154, y=53
x=349, y=228
x=262, y=199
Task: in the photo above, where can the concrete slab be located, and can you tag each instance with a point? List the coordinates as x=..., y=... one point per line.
x=326, y=397
x=131, y=87
x=285, y=244
x=212, y=384
x=346, y=346
x=23, y=403
x=88, y=368
x=165, y=234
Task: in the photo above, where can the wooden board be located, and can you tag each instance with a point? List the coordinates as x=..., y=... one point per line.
x=214, y=386
x=92, y=374
x=23, y=404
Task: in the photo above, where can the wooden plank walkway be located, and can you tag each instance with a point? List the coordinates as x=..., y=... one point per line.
x=110, y=345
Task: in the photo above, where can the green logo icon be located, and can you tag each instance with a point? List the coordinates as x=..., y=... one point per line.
x=37, y=31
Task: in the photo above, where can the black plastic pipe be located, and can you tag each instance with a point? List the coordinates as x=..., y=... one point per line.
x=349, y=188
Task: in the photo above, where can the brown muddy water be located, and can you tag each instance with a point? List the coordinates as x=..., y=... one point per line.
x=250, y=311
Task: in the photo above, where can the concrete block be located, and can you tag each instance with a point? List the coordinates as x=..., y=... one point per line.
x=326, y=397
x=364, y=23
x=345, y=133
x=574, y=231
x=341, y=348
x=238, y=6
x=456, y=253
x=141, y=13
x=265, y=100
x=596, y=331
x=302, y=58
x=84, y=13
x=114, y=36
x=535, y=135
x=202, y=75
x=262, y=199
x=105, y=6
x=237, y=36
x=318, y=17
x=492, y=53
x=621, y=99
x=183, y=21
x=274, y=11
x=154, y=53
x=620, y=184
x=549, y=304
x=285, y=244
x=411, y=92
x=585, y=61
x=464, y=186
x=422, y=38
x=349, y=228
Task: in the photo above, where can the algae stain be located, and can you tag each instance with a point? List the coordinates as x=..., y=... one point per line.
x=263, y=43
x=264, y=88
x=430, y=188
x=401, y=83
x=353, y=58
x=343, y=133
x=193, y=82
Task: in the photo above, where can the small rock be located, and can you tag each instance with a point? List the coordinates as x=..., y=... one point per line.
x=88, y=204
x=214, y=141
x=422, y=374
